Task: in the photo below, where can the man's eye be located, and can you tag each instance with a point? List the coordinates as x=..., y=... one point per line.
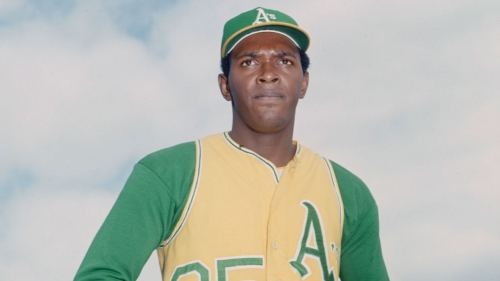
x=247, y=63
x=285, y=61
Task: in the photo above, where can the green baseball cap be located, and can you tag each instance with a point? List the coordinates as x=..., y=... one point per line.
x=261, y=20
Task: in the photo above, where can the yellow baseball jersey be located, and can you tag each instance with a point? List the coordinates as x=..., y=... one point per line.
x=243, y=221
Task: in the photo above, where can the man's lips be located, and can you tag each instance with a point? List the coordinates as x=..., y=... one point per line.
x=268, y=95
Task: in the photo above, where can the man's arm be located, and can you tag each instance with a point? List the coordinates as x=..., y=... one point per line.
x=361, y=254
x=133, y=229
x=143, y=216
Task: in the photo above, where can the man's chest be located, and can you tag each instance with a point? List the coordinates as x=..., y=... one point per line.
x=246, y=223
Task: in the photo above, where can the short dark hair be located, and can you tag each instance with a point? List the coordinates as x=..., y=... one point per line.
x=225, y=63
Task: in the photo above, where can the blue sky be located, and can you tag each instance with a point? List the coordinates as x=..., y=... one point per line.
x=402, y=93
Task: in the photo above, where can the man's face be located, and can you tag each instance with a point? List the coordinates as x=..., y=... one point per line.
x=265, y=82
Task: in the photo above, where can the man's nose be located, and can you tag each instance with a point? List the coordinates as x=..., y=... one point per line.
x=268, y=74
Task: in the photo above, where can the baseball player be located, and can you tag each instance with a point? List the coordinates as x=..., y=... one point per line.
x=251, y=203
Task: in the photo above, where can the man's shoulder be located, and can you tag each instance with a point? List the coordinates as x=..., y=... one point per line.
x=179, y=154
x=169, y=154
x=352, y=188
x=347, y=176
x=177, y=160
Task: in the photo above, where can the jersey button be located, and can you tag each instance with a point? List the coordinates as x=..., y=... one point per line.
x=275, y=245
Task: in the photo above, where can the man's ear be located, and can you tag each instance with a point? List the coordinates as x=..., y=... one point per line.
x=224, y=87
x=305, y=84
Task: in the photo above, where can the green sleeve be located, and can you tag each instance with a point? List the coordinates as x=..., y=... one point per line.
x=142, y=217
x=361, y=253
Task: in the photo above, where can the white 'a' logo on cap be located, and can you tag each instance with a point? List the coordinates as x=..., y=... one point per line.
x=262, y=15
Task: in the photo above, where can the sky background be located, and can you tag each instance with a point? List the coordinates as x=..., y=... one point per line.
x=405, y=94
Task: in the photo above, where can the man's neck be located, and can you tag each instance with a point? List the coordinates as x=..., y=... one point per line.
x=277, y=147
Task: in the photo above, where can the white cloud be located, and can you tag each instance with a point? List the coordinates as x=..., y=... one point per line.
x=47, y=233
x=402, y=93
x=438, y=250
x=8, y=6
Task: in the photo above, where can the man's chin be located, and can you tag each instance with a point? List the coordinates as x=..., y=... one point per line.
x=270, y=125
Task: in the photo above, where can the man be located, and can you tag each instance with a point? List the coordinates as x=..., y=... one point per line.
x=249, y=204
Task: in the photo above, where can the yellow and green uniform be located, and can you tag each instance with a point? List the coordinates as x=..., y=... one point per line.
x=217, y=211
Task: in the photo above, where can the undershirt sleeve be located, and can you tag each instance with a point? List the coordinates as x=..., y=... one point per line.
x=142, y=217
x=361, y=253
x=133, y=229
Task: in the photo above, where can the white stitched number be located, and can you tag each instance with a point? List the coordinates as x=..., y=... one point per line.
x=223, y=266
x=197, y=268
